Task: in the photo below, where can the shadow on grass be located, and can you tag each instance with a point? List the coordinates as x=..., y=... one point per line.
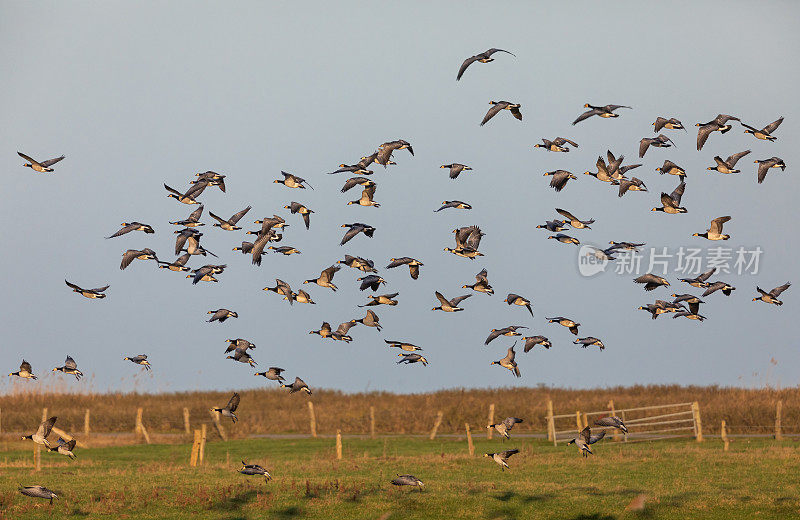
x=288, y=512
x=526, y=499
x=235, y=502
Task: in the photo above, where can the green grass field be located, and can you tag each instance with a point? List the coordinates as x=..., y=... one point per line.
x=681, y=479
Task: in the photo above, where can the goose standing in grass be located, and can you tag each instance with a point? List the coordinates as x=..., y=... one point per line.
x=273, y=374
x=65, y=448
x=589, y=341
x=38, y=492
x=292, y=181
x=297, y=386
x=412, y=358
x=141, y=359
x=766, y=164
x=221, y=315
x=728, y=165
x=671, y=168
x=504, y=427
x=412, y=263
x=255, y=469
x=481, y=283
x=40, y=436
x=718, y=124
x=604, y=112
x=403, y=345
x=556, y=145
x=508, y=361
x=325, y=278
x=371, y=281
x=498, y=106
x=651, y=281
x=511, y=330
x=574, y=221
x=671, y=123
x=772, y=296
x=382, y=299
x=229, y=409
x=296, y=207
x=502, y=457
x=127, y=227
x=565, y=322
x=671, y=202
x=632, y=184
x=456, y=169
x=230, y=224
x=660, y=141
x=612, y=421
x=725, y=287
x=70, y=367
x=355, y=229
x=700, y=281
x=560, y=179
x=455, y=204
x=553, y=225
x=41, y=167
x=766, y=132
x=370, y=320
x=482, y=57
x=408, y=480
x=714, y=231
x=585, y=439
x=135, y=254
x=193, y=220
x=25, y=371
x=88, y=293
x=532, y=341
x=449, y=305
x=283, y=289
x=179, y=265
x=565, y=239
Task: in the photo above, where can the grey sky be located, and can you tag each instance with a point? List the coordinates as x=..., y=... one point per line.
x=138, y=94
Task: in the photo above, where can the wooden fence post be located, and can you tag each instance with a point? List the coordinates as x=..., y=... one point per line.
x=615, y=433
x=312, y=419
x=723, y=432
x=218, y=425
x=489, y=431
x=137, y=425
x=698, y=422
x=195, y=449
x=371, y=422
x=436, y=425
x=339, y=444
x=624, y=434
x=1, y=420
x=86, y=423
x=44, y=414
x=470, y=446
x=585, y=421
x=37, y=457
x=202, y=454
x=186, y=425
x=578, y=420
x=778, y=410
x=549, y=418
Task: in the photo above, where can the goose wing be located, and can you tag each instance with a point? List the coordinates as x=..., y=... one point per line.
x=733, y=159
x=233, y=404
x=469, y=61
x=778, y=290
x=497, y=107
x=767, y=130
x=51, y=162
x=716, y=224
x=589, y=113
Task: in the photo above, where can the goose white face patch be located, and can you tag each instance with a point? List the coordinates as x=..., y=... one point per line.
x=591, y=261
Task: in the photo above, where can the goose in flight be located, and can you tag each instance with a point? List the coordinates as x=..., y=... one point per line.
x=671, y=123
x=449, y=305
x=660, y=141
x=772, y=296
x=408, y=480
x=604, y=111
x=556, y=145
x=483, y=57
x=714, y=231
x=671, y=202
x=718, y=124
x=88, y=293
x=508, y=362
x=70, y=367
x=127, y=227
x=229, y=409
x=766, y=132
x=765, y=165
x=25, y=371
x=498, y=106
x=41, y=167
x=40, y=436
x=504, y=427
x=585, y=439
x=728, y=165
x=502, y=457
x=230, y=224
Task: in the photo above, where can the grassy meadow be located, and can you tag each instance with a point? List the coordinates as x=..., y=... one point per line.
x=757, y=478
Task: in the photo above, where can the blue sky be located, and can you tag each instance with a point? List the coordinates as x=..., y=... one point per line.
x=140, y=94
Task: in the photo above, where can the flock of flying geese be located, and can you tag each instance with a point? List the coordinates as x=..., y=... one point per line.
x=467, y=243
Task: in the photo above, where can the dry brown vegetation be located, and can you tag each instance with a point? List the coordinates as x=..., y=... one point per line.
x=747, y=411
